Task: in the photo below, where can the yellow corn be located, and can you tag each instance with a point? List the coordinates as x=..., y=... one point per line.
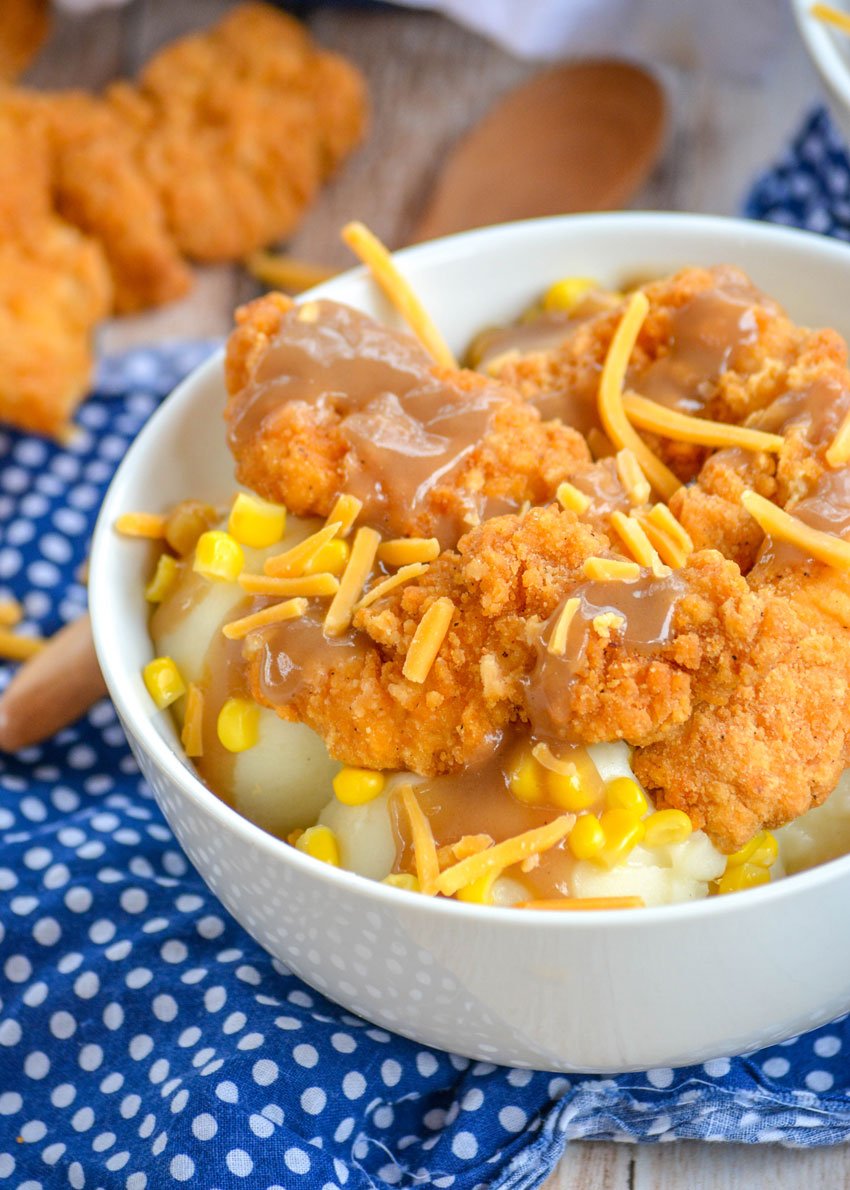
x=480, y=892
x=524, y=778
x=402, y=880
x=623, y=831
x=667, y=826
x=256, y=522
x=355, y=787
x=330, y=558
x=587, y=838
x=321, y=843
x=741, y=877
x=163, y=681
x=219, y=556
x=625, y=794
x=566, y=294
x=762, y=849
x=162, y=580
x=238, y=724
x=567, y=791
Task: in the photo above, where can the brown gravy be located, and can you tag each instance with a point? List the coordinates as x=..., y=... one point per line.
x=827, y=508
x=646, y=606
x=407, y=429
x=296, y=656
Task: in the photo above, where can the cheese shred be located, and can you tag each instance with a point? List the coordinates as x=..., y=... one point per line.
x=631, y=533
x=357, y=569
x=427, y=639
x=346, y=510
x=424, y=848
x=404, y=575
x=291, y=563
x=611, y=412
x=192, y=734
x=11, y=613
x=632, y=478
x=141, y=524
x=278, y=613
x=19, y=648
x=558, y=640
x=503, y=855
x=402, y=551
x=668, y=423
x=580, y=903
x=824, y=547
x=308, y=585
x=381, y=265
x=610, y=570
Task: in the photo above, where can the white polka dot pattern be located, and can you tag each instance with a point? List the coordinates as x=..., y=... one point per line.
x=146, y=1040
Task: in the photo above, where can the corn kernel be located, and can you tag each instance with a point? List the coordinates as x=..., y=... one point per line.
x=741, y=877
x=525, y=778
x=256, y=522
x=163, y=681
x=623, y=831
x=219, y=556
x=566, y=294
x=667, y=826
x=625, y=794
x=762, y=849
x=321, y=843
x=238, y=724
x=162, y=579
x=356, y=787
x=568, y=791
x=480, y=891
x=587, y=838
x=330, y=558
x=402, y=880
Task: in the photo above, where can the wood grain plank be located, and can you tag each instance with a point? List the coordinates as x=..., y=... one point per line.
x=690, y=1165
x=593, y=1165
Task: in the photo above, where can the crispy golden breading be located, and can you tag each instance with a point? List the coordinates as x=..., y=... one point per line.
x=299, y=454
x=237, y=127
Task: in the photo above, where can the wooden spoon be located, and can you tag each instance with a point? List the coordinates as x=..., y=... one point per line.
x=582, y=136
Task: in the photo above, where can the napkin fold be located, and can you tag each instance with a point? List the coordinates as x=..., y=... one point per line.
x=147, y=1041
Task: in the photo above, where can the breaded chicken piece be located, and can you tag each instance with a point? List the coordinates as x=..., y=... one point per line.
x=771, y=736
x=682, y=357
x=236, y=128
x=325, y=400
x=24, y=26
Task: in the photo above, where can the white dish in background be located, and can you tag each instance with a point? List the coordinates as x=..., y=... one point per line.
x=612, y=991
x=829, y=50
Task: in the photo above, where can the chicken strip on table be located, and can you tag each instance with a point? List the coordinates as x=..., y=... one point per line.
x=325, y=400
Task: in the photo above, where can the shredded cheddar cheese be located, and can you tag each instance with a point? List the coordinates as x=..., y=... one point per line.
x=606, y=623
x=609, y=570
x=503, y=855
x=838, y=451
x=404, y=575
x=831, y=16
x=141, y=524
x=584, y=903
x=465, y=846
x=290, y=609
x=634, y=481
x=192, y=733
x=661, y=516
x=571, y=499
x=308, y=585
x=401, y=551
x=380, y=263
x=649, y=415
x=668, y=550
x=558, y=640
x=11, y=612
x=813, y=542
x=286, y=272
x=637, y=543
x=544, y=755
x=19, y=648
x=346, y=510
x=291, y=563
x=424, y=848
x=611, y=412
x=366, y=542
x=427, y=639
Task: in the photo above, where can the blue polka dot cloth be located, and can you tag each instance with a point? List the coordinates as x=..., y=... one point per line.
x=147, y=1041
x=809, y=186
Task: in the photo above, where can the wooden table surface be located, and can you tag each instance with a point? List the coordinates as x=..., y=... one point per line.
x=430, y=80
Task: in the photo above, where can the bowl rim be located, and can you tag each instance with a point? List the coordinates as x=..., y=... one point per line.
x=338, y=881
x=820, y=42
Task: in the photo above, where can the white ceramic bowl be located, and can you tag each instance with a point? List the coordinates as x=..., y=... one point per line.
x=606, y=991
x=829, y=50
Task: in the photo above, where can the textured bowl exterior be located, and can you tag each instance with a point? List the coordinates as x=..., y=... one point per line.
x=831, y=58
x=604, y=992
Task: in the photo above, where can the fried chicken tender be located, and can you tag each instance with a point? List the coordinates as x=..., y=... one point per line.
x=237, y=127
x=336, y=402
